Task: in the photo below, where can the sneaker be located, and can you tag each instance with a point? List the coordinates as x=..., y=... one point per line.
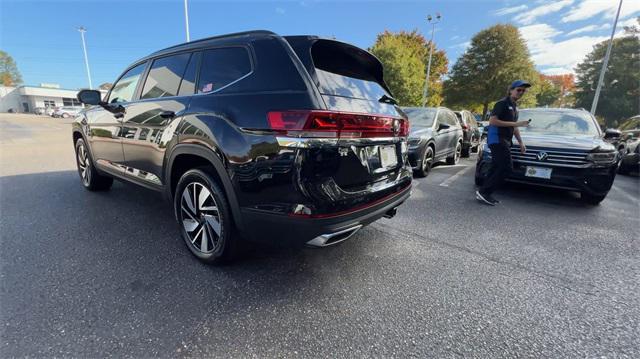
x=485, y=198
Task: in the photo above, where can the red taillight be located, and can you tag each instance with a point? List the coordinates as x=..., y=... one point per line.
x=464, y=127
x=337, y=124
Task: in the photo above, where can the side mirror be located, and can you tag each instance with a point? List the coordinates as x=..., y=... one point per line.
x=443, y=126
x=612, y=134
x=90, y=97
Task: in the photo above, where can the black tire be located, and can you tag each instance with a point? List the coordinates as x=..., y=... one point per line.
x=466, y=150
x=427, y=163
x=591, y=199
x=206, y=223
x=89, y=177
x=622, y=169
x=456, y=155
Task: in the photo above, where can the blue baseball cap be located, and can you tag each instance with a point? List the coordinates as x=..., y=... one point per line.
x=519, y=83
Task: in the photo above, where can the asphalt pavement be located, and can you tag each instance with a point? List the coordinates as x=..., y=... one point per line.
x=106, y=274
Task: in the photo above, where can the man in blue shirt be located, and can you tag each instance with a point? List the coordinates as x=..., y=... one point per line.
x=503, y=125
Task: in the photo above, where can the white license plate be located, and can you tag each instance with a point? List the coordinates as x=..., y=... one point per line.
x=538, y=172
x=388, y=157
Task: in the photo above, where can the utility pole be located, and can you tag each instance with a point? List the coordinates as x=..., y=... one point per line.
x=433, y=23
x=594, y=105
x=186, y=19
x=86, y=58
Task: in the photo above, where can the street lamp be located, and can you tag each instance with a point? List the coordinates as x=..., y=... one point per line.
x=82, y=30
x=186, y=19
x=426, y=82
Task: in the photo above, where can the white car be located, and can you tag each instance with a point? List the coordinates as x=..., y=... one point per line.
x=66, y=112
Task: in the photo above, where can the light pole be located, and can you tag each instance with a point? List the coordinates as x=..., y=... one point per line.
x=433, y=23
x=594, y=104
x=86, y=59
x=186, y=19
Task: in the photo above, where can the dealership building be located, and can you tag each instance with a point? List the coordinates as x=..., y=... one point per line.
x=26, y=99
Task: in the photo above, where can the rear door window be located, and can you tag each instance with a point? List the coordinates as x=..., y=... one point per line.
x=165, y=75
x=221, y=67
x=345, y=70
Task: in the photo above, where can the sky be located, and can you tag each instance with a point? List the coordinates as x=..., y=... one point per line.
x=42, y=36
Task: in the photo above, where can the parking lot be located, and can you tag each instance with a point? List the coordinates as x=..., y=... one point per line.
x=107, y=274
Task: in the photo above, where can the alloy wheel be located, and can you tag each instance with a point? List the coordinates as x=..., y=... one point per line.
x=427, y=162
x=458, y=152
x=200, y=217
x=84, y=165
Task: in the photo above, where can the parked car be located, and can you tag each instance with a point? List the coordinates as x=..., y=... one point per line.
x=470, y=132
x=630, y=161
x=39, y=110
x=483, y=127
x=66, y=112
x=49, y=111
x=435, y=135
x=565, y=149
x=253, y=136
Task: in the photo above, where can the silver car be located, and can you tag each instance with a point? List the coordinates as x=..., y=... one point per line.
x=66, y=112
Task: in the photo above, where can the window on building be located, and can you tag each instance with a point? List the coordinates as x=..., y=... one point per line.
x=70, y=102
x=220, y=67
x=49, y=103
x=164, y=76
x=124, y=89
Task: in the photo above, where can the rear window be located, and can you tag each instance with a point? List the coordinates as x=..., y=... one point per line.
x=345, y=70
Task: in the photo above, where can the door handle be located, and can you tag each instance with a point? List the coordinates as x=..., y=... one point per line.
x=167, y=114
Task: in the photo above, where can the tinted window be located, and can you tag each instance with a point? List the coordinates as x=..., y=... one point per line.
x=559, y=122
x=164, y=76
x=188, y=84
x=221, y=67
x=125, y=88
x=420, y=116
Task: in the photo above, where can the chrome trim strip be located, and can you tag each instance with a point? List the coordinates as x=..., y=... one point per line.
x=310, y=142
x=552, y=164
x=321, y=240
x=535, y=151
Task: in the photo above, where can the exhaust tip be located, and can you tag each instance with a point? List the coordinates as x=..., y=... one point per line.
x=328, y=239
x=391, y=213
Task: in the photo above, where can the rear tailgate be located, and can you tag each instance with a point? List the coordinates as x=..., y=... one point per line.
x=355, y=149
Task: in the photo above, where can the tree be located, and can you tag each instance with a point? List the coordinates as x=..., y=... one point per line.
x=566, y=84
x=548, y=92
x=9, y=74
x=496, y=57
x=105, y=86
x=620, y=93
x=404, y=57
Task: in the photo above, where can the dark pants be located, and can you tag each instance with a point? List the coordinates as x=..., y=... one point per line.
x=501, y=167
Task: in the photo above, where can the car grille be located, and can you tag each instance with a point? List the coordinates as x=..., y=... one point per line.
x=555, y=157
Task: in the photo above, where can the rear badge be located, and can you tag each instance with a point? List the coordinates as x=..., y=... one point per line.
x=396, y=127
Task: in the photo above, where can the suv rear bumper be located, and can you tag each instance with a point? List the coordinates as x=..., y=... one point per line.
x=294, y=230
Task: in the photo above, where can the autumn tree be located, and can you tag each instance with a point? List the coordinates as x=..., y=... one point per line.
x=404, y=57
x=620, y=93
x=548, y=93
x=567, y=86
x=496, y=57
x=9, y=74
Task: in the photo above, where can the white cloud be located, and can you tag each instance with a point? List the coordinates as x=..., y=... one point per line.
x=628, y=22
x=462, y=45
x=557, y=70
x=529, y=16
x=588, y=28
x=558, y=57
x=590, y=8
x=509, y=10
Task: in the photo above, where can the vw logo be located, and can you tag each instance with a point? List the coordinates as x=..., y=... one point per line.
x=542, y=156
x=396, y=127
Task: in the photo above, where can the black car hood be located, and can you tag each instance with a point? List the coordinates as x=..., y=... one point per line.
x=421, y=132
x=586, y=143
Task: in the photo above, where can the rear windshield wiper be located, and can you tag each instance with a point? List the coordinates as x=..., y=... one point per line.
x=388, y=99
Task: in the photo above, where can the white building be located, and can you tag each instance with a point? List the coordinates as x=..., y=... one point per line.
x=26, y=98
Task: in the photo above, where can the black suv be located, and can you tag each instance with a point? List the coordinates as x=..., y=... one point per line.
x=470, y=132
x=565, y=149
x=435, y=135
x=288, y=140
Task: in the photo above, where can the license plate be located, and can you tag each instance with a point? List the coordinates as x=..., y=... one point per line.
x=538, y=172
x=388, y=157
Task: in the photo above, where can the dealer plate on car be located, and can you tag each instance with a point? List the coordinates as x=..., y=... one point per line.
x=538, y=172
x=388, y=157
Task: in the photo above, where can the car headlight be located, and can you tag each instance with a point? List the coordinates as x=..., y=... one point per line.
x=414, y=141
x=603, y=158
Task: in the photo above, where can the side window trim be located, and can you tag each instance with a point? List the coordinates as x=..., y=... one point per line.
x=147, y=70
x=203, y=50
x=142, y=75
x=198, y=55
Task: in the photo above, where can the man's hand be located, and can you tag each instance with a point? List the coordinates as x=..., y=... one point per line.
x=522, y=124
x=523, y=148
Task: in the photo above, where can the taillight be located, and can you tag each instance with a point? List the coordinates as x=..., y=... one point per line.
x=465, y=127
x=336, y=124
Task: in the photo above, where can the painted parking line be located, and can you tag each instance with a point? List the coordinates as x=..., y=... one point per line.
x=458, y=174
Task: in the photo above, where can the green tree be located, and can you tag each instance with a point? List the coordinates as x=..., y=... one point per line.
x=496, y=57
x=404, y=57
x=9, y=74
x=548, y=93
x=620, y=93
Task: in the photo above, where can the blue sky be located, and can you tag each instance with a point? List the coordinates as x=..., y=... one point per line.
x=42, y=37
